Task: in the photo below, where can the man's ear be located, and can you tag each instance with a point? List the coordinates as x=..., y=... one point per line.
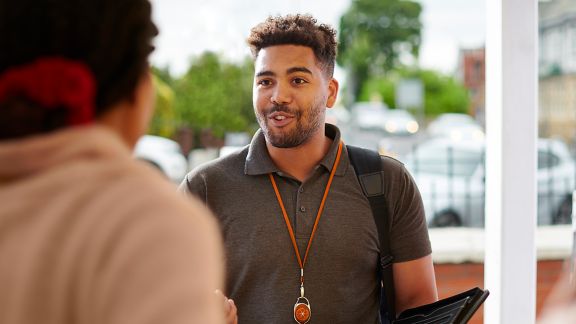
x=332, y=92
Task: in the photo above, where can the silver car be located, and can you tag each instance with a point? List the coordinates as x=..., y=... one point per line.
x=456, y=126
x=400, y=122
x=369, y=116
x=376, y=116
x=450, y=176
x=164, y=154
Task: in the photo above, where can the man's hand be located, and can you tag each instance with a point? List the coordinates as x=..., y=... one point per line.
x=230, y=311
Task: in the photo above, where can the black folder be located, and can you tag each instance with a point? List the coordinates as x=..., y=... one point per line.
x=457, y=309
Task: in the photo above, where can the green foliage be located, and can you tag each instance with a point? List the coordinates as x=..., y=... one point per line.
x=383, y=87
x=215, y=95
x=163, y=74
x=163, y=120
x=442, y=93
x=374, y=34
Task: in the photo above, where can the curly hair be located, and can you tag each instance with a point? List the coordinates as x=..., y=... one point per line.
x=296, y=30
x=112, y=37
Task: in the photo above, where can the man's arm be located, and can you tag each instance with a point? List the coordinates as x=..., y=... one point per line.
x=414, y=283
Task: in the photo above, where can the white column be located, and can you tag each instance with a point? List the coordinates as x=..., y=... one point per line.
x=511, y=158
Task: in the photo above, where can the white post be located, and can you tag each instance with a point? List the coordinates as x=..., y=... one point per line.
x=511, y=134
x=573, y=254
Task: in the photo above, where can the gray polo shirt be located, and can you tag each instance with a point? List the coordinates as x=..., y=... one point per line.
x=263, y=275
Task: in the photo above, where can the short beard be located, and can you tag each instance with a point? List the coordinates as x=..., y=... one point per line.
x=296, y=137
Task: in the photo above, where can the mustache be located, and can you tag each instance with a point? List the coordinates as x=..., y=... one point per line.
x=278, y=108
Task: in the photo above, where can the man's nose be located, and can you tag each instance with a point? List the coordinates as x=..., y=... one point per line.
x=280, y=95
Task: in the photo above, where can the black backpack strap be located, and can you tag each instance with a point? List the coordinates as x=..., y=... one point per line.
x=368, y=167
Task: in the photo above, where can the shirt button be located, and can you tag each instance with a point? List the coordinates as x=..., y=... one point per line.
x=302, y=209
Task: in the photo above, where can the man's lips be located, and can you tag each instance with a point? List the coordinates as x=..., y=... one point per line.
x=280, y=119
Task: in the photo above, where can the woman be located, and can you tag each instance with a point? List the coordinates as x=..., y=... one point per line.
x=560, y=306
x=87, y=234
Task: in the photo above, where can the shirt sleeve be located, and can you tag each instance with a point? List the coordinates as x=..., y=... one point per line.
x=409, y=234
x=194, y=184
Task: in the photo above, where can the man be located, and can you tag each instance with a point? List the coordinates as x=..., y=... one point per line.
x=300, y=238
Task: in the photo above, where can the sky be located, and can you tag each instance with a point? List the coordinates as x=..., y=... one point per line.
x=190, y=27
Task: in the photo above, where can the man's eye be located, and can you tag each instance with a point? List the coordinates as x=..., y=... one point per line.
x=299, y=81
x=264, y=82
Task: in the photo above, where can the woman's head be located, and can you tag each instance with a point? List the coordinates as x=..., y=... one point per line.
x=112, y=38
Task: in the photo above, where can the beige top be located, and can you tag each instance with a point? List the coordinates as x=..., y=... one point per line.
x=559, y=315
x=88, y=235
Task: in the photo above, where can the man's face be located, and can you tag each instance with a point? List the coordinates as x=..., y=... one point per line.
x=290, y=94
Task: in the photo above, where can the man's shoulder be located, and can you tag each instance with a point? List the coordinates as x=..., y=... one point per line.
x=393, y=171
x=392, y=163
x=389, y=164
x=231, y=162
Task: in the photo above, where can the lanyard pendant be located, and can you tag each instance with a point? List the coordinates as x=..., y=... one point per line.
x=302, y=311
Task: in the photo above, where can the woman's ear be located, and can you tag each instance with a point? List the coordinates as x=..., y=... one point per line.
x=145, y=99
x=142, y=110
x=130, y=117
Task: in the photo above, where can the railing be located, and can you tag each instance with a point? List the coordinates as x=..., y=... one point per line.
x=451, y=182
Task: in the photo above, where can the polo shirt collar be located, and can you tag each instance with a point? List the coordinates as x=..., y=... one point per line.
x=258, y=160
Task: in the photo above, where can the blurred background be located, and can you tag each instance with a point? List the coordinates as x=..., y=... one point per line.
x=412, y=86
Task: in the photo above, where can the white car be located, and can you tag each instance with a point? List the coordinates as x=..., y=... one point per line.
x=234, y=141
x=368, y=115
x=400, y=122
x=337, y=116
x=164, y=154
x=450, y=176
x=376, y=116
x=456, y=126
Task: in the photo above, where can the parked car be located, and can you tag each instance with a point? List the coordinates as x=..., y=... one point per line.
x=369, y=115
x=450, y=176
x=234, y=142
x=337, y=116
x=400, y=122
x=376, y=116
x=226, y=150
x=456, y=126
x=164, y=154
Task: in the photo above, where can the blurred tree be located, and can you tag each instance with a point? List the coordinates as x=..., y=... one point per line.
x=163, y=74
x=215, y=95
x=442, y=93
x=163, y=121
x=374, y=34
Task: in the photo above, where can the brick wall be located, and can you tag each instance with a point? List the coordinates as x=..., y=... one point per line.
x=454, y=278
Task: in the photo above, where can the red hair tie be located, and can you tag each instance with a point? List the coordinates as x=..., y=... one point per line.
x=53, y=82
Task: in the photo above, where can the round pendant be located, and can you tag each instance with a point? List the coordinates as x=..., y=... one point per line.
x=302, y=310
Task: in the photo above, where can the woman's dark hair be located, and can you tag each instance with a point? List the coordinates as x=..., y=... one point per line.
x=296, y=30
x=112, y=37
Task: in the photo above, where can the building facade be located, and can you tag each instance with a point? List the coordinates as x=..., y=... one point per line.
x=471, y=71
x=557, y=69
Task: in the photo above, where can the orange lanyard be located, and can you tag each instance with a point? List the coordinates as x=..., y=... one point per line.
x=320, y=209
